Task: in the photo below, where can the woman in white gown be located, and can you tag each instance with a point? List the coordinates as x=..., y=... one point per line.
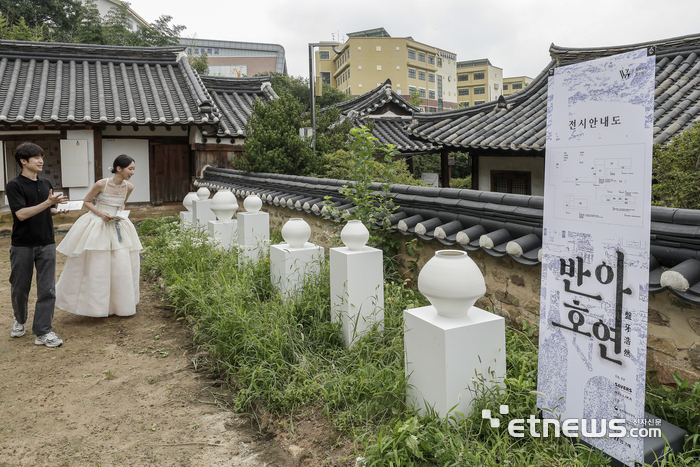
x=101, y=276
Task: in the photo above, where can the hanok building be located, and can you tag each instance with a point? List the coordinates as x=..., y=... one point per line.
x=506, y=138
x=389, y=114
x=369, y=58
x=86, y=104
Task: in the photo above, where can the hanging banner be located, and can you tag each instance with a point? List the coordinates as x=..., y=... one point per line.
x=595, y=250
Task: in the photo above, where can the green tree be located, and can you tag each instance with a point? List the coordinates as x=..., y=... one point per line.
x=415, y=98
x=200, y=63
x=298, y=87
x=160, y=34
x=90, y=30
x=22, y=32
x=5, y=32
x=58, y=15
x=676, y=171
x=117, y=28
x=273, y=144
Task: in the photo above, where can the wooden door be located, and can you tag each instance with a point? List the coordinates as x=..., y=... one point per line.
x=170, y=172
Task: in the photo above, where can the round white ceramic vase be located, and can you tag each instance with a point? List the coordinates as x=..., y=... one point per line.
x=296, y=232
x=189, y=197
x=252, y=203
x=354, y=235
x=224, y=205
x=452, y=282
x=203, y=193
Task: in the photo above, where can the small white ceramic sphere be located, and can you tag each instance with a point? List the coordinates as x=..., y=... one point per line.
x=354, y=235
x=189, y=197
x=296, y=232
x=203, y=193
x=452, y=282
x=224, y=205
x=252, y=203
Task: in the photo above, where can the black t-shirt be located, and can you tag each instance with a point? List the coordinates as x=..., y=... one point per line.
x=23, y=192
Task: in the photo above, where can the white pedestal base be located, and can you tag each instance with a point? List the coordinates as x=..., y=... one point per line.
x=357, y=290
x=289, y=267
x=253, y=235
x=185, y=219
x=226, y=232
x=444, y=354
x=202, y=213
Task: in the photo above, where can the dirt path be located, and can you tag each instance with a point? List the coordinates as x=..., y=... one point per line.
x=120, y=391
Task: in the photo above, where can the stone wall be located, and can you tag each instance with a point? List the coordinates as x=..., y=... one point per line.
x=513, y=291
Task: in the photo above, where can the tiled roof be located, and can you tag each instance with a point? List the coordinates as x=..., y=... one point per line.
x=499, y=224
x=392, y=131
x=518, y=122
x=52, y=83
x=370, y=101
x=234, y=98
x=389, y=127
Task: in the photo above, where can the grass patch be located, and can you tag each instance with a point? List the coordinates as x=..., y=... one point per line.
x=284, y=356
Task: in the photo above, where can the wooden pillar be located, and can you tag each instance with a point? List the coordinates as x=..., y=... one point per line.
x=97, y=151
x=474, y=161
x=444, y=169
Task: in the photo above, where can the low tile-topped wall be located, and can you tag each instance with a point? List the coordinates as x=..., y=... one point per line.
x=513, y=291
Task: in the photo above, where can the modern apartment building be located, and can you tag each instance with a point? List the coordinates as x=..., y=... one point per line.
x=515, y=84
x=368, y=58
x=477, y=82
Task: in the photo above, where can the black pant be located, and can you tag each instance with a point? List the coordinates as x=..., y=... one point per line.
x=22, y=262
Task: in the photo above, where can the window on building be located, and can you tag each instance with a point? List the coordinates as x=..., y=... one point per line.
x=439, y=61
x=421, y=56
x=431, y=93
x=421, y=91
x=379, y=68
x=479, y=76
x=324, y=55
x=439, y=89
x=432, y=109
x=505, y=87
x=480, y=90
x=421, y=75
x=463, y=92
x=517, y=86
x=463, y=77
x=411, y=54
x=379, y=48
x=411, y=89
x=511, y=181
x=478, y=102
x=326, y=77
x=431, y=77
x=431, y=59
x=411, y=73
x=465, y=104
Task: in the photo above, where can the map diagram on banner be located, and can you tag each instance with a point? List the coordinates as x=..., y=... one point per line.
x=599, y=183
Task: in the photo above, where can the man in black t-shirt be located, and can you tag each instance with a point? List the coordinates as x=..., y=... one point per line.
x=33, y=204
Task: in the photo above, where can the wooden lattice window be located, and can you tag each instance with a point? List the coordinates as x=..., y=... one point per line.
x=511, y=181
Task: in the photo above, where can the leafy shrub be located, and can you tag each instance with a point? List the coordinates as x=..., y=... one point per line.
x=676, y=171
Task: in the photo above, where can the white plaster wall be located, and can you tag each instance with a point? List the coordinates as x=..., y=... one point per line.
x=78, y=193
x=535, y=165
x=138, y=150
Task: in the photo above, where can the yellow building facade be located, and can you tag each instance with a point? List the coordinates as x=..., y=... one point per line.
x=477, y=82
x=515, y=84
x=368, y=58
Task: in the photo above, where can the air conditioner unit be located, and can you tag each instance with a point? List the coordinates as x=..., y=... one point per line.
x=306, y=132
x=495, y=86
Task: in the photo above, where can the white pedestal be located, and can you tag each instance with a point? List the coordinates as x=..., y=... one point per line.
x=444, y=354
x=290, y=266
x=357, y=290
x=226, y=232
x=202, y=213
x=253, y=235
x=185, y=219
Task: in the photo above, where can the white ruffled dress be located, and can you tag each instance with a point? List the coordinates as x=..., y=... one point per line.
x=101, y=276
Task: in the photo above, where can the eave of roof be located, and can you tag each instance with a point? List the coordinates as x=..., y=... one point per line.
x=518, y=122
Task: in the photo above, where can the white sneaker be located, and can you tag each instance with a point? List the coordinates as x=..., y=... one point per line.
x=17, y=329
x=49, y=340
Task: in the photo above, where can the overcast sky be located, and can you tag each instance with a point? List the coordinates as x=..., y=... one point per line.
x=514, y=34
